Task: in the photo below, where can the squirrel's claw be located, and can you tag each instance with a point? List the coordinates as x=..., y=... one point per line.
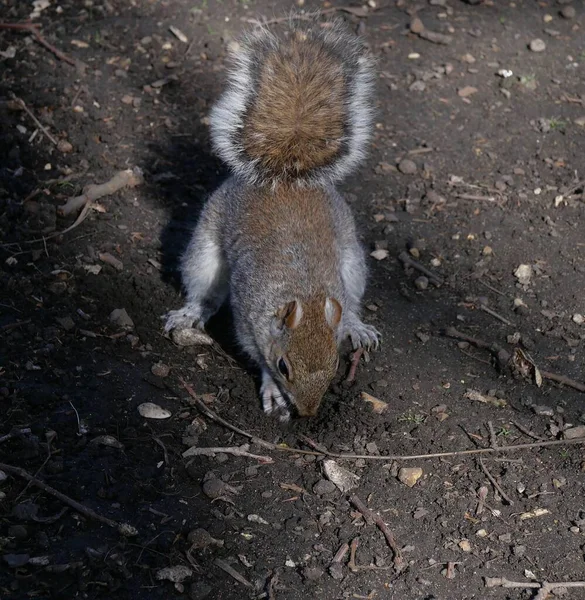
x=272, y=399
x=364, y=336
x=183, y=318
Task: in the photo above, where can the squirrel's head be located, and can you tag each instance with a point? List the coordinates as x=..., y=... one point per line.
x=303, y=356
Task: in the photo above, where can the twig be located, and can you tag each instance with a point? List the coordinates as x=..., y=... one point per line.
x=493, y=438
x=369, y=516
x=122, y=179
x=563, y=380
x=451, y=570
x=481, y=496
x=256, y=440
x=493, y=313
x=352, y=550
x=33, y=29
x=475, y=197
x=271, y=586
x=159, y=442
x=495, y=483
x=527, y=431
x=241, y=451
x=14, y=325
x=31, y=115
x=544, y=588
x=123, y=528
x=410, y=262
x=232, y=572
x=355, y=359
x=340, y=554
x=489, y=287
x=14, y=434
x=81, y=217
x=501, y=354
x=574, y=188
x=79, y=430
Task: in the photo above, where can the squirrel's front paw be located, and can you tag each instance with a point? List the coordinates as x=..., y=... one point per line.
x=183, y=318
x=273, y=402
x=363, y=335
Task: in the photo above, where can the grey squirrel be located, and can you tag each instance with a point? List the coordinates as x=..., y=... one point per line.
x=277, y=237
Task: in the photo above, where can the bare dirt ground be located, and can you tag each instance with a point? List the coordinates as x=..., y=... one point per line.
x=475, y=172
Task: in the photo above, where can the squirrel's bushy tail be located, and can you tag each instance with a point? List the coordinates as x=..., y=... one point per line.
x=297, y=108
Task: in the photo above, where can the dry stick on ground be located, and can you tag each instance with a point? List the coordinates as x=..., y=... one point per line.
x=82, y=216
x=123, y=528
x=543, y=588
x=371, y=517
x=33, y=29
x=241, y=451
x=496, y=315
x=410, y=262
x=160, y=443
x=475, y=197
x=352, y=550
x=122, y=179
x=493, y=437
x=256, y=440
x=526, y=431
x=495, y=483
x=27, y=110
x=355, y=359
x=232, y=572
x=14, y=434
x=452, y=332
x=271, y=585
x=489, y=287
x=340, y=554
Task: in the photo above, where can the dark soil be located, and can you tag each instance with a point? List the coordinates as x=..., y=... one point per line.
x=496, y=186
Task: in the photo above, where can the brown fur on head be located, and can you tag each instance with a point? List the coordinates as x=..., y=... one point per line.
x=305, y=358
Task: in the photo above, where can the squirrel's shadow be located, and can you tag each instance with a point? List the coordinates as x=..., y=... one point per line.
x=184, y=172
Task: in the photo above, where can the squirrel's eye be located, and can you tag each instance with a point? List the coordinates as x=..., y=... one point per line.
x=282, y=367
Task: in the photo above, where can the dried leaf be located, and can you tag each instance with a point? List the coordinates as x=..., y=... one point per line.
x=466, y=91
x=377, y=405
x=537, y=512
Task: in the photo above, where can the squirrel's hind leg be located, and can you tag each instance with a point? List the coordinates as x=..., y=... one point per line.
x=205, y=278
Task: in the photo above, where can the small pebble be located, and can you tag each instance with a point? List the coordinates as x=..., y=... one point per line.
x=574, y=432
x=421, y=283
x=537, y=45
x=64, y=146
x=407, y=166
x=578, y=318
x=410, y=475
x=416, y=25
x=159, y=369
x=323, y=487
x=519, y=550
x=543, y=411
x=312, y=573
x=568, y=12
x=336, y=571
x=120, y=317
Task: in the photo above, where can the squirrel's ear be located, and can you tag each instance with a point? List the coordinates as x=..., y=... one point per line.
x=332, y=312
x=290, y=314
